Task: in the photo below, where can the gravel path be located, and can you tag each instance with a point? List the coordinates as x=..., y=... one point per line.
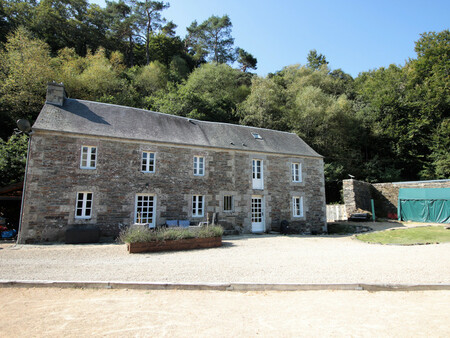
x=248, y=258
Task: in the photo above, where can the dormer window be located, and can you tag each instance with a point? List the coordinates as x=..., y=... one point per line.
x=257, y=136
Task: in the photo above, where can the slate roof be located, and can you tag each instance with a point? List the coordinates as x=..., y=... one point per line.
x=102, y=119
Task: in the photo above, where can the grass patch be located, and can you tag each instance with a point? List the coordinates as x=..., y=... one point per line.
x=141, y=233
x=410, y=236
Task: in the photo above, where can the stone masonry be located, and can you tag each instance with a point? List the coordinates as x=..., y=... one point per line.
x=54, y=177
x=357, y=194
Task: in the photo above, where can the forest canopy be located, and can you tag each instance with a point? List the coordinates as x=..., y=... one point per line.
x=387, y=124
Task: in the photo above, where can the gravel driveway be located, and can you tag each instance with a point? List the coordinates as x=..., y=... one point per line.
x=246, y=259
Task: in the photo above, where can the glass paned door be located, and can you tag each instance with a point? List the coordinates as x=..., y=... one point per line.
x=258, y=214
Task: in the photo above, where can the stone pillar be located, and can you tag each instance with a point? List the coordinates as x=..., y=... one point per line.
x=357, y=196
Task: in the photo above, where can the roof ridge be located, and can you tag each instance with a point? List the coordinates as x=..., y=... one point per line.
x=183, y=117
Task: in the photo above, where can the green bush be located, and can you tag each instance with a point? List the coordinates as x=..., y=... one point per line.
x=141, y=233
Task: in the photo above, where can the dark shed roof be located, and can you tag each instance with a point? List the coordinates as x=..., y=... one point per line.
x=101, y=119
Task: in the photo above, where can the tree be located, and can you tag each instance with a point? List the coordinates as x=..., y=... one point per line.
x=70, y=23
x=212, y=39
x=13, y=156
x=152, y=77
x=13, y=14
x=169, y=29
x=212, y=92
x=25, y=70
x=149, y=19
x=315, y=60
x=246, y=60
x=122, y=27
x=265, y=107
x=163, y=48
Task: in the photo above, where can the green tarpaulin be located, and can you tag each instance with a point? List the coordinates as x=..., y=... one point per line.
x=424, y=205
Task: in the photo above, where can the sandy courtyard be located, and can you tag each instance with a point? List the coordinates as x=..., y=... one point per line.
x=135, y=313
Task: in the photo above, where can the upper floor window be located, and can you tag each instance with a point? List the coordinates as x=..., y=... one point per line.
x=297, y=206
x=199, y=166
x=148, y=162
x=296, y=170
x=197, y=205
x=228, y=203
x=88, y=157
x=84, y=205
x=257, y=174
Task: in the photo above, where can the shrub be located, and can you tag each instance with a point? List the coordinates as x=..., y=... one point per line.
x=141, y=233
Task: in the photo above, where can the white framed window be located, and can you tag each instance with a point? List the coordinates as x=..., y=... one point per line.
x=197, y=205
x=296, y=172
x=145, y=209
x=199, y=166
x=83, y=208
x=148, y=162
x=228, y=203
x=257, y=174
x=88, y=157
x=297, y=206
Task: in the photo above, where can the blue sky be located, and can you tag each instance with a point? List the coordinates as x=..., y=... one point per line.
x=354, y=35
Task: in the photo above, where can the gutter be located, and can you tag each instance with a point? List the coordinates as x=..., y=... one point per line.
x=19, y=232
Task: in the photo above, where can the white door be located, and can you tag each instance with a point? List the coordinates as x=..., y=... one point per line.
x=257, y=174
x=258, y=214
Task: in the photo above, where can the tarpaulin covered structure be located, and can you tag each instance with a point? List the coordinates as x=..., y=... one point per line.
x=424, y=205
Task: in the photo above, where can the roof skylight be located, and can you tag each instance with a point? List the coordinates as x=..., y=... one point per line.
x=257, y=136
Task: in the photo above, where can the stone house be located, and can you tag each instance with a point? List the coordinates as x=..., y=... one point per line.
x=100, y=164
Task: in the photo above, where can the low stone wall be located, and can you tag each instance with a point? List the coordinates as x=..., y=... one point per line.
x=357, y=194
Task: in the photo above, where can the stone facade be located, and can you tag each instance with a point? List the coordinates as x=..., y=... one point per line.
x=54, y=178
x=357, y=194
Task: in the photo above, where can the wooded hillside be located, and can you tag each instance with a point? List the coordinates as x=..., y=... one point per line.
x=388, y=124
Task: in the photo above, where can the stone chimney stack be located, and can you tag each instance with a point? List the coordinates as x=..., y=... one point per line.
x=55, y=93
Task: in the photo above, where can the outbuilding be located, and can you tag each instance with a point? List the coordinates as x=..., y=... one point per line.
x=424, y=205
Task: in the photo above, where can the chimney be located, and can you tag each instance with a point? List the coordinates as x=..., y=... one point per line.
x=55, y=93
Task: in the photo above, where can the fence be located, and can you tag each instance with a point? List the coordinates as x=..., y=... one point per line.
x=336, y=212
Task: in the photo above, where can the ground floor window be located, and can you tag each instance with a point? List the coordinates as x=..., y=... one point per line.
x=297, y=206
x=145, y=209
x=197, y=205
x=84, y=205
x=227, y=203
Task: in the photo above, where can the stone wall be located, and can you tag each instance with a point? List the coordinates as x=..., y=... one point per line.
x=357, y=194
x=54, y=177
x=385, y=195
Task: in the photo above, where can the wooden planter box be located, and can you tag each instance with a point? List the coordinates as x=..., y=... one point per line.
x=181, y=244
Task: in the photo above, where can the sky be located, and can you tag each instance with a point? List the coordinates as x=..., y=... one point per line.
x=354, y=35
